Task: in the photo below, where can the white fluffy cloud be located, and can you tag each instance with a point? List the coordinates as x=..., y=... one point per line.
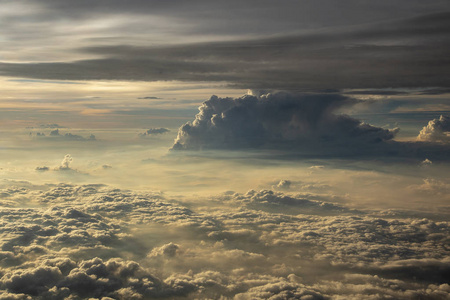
x=437, y=130
x=65, y=164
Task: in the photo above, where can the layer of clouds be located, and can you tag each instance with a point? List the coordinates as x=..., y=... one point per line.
x=282, y=121
x=250, y=10
x=96, y=241
x=181, y=20
x=407, y=53
x=437, y=130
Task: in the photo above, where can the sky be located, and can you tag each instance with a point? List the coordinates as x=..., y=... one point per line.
x=289, y=149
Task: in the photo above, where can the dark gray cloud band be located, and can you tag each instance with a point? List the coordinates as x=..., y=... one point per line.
x=410, y=53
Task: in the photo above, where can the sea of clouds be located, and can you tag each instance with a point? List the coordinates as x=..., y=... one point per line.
x=93, y=241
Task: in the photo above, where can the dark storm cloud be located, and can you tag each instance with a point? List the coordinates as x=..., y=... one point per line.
x=304, y=125
x=279, y=121
x=409, y=53
x=237, y=17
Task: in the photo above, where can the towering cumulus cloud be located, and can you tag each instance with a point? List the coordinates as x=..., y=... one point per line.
x=299, y=122
x=437, y=130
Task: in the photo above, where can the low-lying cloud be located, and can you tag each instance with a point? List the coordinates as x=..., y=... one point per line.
x=93, y=241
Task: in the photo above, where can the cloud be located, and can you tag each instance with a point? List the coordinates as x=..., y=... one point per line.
x=65, y=164
x=363, y=56
x=281, y=289
x=268, y=200
x=283, y=185
x=426, y=162
x=69, y=136
x=48, y=125
x=437, y=130
x=54, y=125
x=299, y=125
x=42, y=169
x=94, y=241
x=168, y=250
x=435, y=91
x=149, y=97
x=433, y=187
x=281, y=121
x=154, y=131
x=115, y=278
x=54, y=132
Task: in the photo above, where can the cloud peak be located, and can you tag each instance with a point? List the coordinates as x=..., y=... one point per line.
x=281, y=120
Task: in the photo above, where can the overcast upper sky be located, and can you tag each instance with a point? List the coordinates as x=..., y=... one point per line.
x=247, y=44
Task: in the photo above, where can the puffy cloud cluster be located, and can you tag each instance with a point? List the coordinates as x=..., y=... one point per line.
x=93, y=241
x=65, y=164
x=50, y=251
x=63, y=278
x=124, y=206
x=30, y=232
x=283, y=185
x=42, y=169
x=154, y=131
x=168, y=250
x=437, y=130
x=295, y=122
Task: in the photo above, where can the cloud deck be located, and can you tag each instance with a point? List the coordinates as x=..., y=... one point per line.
x=98, y=242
